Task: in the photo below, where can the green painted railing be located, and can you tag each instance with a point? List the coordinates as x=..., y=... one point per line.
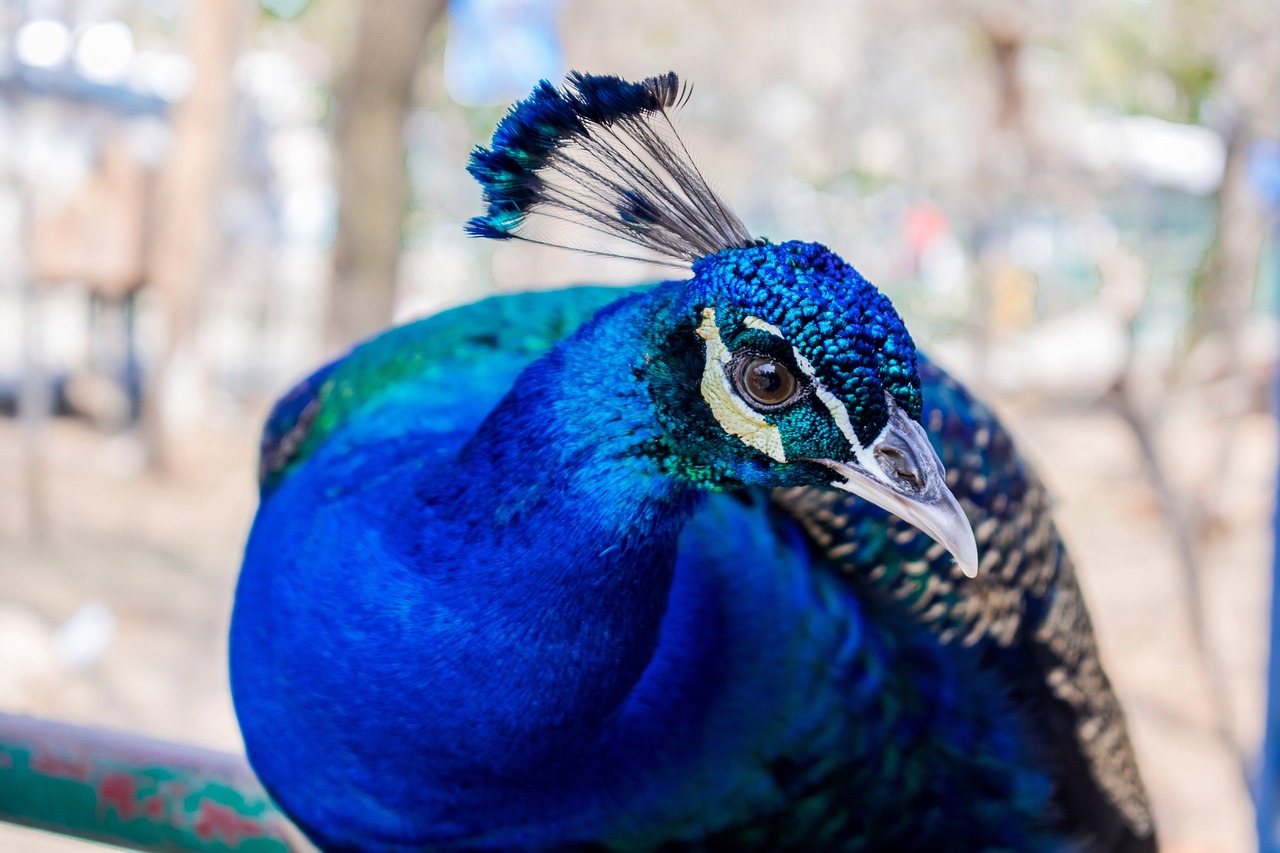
x=134, y=792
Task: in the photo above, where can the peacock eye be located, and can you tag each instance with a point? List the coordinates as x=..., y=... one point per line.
x=765, y=382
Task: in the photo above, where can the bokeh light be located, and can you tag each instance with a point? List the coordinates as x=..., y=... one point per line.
x=42, y=44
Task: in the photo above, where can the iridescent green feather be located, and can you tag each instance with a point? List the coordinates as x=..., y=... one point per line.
x=460, y=350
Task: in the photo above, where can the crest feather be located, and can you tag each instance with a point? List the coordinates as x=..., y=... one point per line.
x=602, y=154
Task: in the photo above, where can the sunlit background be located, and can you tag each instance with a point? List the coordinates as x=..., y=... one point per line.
x=1073, y=204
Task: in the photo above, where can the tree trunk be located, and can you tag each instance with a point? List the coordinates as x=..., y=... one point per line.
x=375, y=101
x=184, y=222
x=1223, y=292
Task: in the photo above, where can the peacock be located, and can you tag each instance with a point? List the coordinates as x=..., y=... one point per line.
x=719, y=563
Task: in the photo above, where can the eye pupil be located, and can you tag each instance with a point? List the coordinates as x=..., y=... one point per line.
x=766, y=381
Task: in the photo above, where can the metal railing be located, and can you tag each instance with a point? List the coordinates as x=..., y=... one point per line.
x=135, y=792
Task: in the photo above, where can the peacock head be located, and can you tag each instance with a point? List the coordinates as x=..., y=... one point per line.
x=780, y=365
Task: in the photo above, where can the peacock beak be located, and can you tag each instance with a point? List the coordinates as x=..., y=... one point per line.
x=901, y=473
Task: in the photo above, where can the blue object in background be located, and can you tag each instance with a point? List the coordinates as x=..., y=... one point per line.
x=497, y=49
x=1268, y=828
x=1264, y=175
x=1264, y=170
x=1268, y=792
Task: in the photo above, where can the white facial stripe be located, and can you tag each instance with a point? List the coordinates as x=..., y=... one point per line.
x=756, y=323
x=734, y=415
x=839, y=413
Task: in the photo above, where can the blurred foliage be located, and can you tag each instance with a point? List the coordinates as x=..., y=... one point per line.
x=1154, y=58
x=285, y=10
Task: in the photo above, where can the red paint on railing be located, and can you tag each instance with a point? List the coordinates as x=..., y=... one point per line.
x=154, y=807
x=214, y=820
x=119, y=791
x=133, y=792
x=57, y=767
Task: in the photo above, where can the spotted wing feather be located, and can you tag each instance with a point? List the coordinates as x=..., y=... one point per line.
x=1023, y=613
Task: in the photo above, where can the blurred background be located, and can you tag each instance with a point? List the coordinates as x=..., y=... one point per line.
x=1074, y=206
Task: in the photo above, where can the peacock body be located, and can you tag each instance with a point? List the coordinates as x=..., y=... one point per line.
x=595, y=570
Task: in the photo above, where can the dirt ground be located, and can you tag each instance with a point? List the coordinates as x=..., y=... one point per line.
x=118, y=616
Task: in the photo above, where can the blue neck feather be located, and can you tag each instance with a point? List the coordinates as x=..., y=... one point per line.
x=498, y=646
x=578, y=531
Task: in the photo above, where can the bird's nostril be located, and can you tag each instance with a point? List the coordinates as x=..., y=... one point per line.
x=898, y=463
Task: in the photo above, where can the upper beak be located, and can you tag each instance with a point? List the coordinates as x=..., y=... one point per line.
x=901, y=473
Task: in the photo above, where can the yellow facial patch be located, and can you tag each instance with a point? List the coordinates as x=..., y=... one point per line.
x=733, y=415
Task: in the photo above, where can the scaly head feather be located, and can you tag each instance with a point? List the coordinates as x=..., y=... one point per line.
x=799, y=370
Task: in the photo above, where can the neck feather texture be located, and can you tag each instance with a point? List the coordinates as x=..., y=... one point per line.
x=458, y=631
x=553, y=534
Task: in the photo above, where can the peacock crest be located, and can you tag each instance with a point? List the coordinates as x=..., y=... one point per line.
x=603, y=154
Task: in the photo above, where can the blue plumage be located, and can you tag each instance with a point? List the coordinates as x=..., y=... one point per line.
x=589, y=570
